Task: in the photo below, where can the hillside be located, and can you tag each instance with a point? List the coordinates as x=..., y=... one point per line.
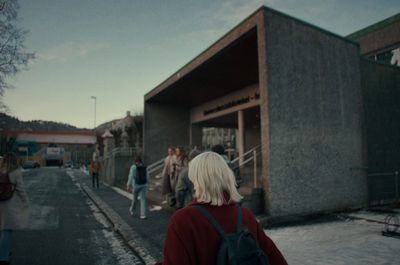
x=11, y=123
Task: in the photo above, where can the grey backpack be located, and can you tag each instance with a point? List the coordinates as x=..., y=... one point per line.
x=239, y=248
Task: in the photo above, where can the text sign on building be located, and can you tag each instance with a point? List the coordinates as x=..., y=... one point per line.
x=53, y=151
x=237, y=100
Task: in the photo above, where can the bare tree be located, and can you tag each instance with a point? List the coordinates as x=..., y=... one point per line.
x=13, y=57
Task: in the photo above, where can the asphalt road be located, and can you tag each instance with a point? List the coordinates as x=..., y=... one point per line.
x=65, y=227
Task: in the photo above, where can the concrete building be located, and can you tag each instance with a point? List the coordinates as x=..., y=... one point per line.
x=290, y=87
x=380, y=72
x=48, y=147
x=380, y=41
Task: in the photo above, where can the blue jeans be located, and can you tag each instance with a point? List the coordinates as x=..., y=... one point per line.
x=141, y=192
x=5, y=244
x=95, y=179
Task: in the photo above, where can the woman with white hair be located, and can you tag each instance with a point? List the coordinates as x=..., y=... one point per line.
x=192, y=238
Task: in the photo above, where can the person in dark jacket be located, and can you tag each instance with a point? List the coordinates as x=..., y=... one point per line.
x=184, y=187
x=220, y=149
x=190, y=238
x=95, y=168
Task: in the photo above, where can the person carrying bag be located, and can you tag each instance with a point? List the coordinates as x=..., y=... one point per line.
x=13, y=204
x=138, y=181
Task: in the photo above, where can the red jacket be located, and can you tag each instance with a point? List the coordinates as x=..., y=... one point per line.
x=192, y=240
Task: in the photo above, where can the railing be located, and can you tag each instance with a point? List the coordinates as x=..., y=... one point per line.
x=248, y=157
x=383, y=187
x=127, y=151
x=155, y=167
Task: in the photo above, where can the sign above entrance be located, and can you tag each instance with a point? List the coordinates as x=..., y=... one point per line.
x=235, y=101
x=232, y=104
x=53, y=151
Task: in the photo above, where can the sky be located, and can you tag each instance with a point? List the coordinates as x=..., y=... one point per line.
x=119, y=50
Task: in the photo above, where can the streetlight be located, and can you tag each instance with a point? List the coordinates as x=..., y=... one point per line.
x=95, y=99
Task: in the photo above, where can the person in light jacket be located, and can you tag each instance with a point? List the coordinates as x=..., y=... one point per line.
x=139, y=187
x=13, y=212
x=167, y=173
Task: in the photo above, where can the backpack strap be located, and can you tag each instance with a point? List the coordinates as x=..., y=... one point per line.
x=239, y=226
x=210, y=218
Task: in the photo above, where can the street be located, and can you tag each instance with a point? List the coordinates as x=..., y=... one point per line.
x=65, y=226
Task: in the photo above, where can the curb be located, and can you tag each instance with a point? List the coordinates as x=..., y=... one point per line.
x=134, y=240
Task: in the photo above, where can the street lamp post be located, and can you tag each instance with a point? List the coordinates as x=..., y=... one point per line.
x=95, y=99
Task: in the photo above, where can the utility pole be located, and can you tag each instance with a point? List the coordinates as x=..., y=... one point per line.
x=95, y=99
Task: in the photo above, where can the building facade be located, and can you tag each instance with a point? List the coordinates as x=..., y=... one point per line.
x=289, y=87
x=381, y=41
x=52, y=148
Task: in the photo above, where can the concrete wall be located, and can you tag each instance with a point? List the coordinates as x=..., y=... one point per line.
x=315, y=119
x=381, y=92
x=164, y=125
x=115, y=170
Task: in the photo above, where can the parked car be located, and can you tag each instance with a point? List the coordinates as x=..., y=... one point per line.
x=30, y=164
x=69, y=164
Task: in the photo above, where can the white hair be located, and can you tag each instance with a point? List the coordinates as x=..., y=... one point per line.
x=212, y=177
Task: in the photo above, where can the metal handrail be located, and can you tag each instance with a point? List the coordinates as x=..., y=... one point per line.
x=156, y=166
x=250, y=152
x=248, y=157
x=245, y=154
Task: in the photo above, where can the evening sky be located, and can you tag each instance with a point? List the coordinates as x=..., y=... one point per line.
x=119, y=50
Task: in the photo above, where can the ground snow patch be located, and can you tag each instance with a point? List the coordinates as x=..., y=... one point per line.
x=339, y=242
x=97, y=214
x=121, y=252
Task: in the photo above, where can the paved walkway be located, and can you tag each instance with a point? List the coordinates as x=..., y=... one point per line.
x=146, y=237
x=302, y=241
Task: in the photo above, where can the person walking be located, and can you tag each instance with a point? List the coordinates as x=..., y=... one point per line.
x=13, y=211
x=167, y=173
x=220, y=149
x=212, y=226
x=95, y=168
x=180, y=163
x=138, y=181
x=184, y=187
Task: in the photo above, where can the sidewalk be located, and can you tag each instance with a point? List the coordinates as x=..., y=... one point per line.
x=145, y=237
x=343, y=238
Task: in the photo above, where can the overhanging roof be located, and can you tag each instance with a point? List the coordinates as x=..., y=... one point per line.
x=232, y=68
x=230, y=64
